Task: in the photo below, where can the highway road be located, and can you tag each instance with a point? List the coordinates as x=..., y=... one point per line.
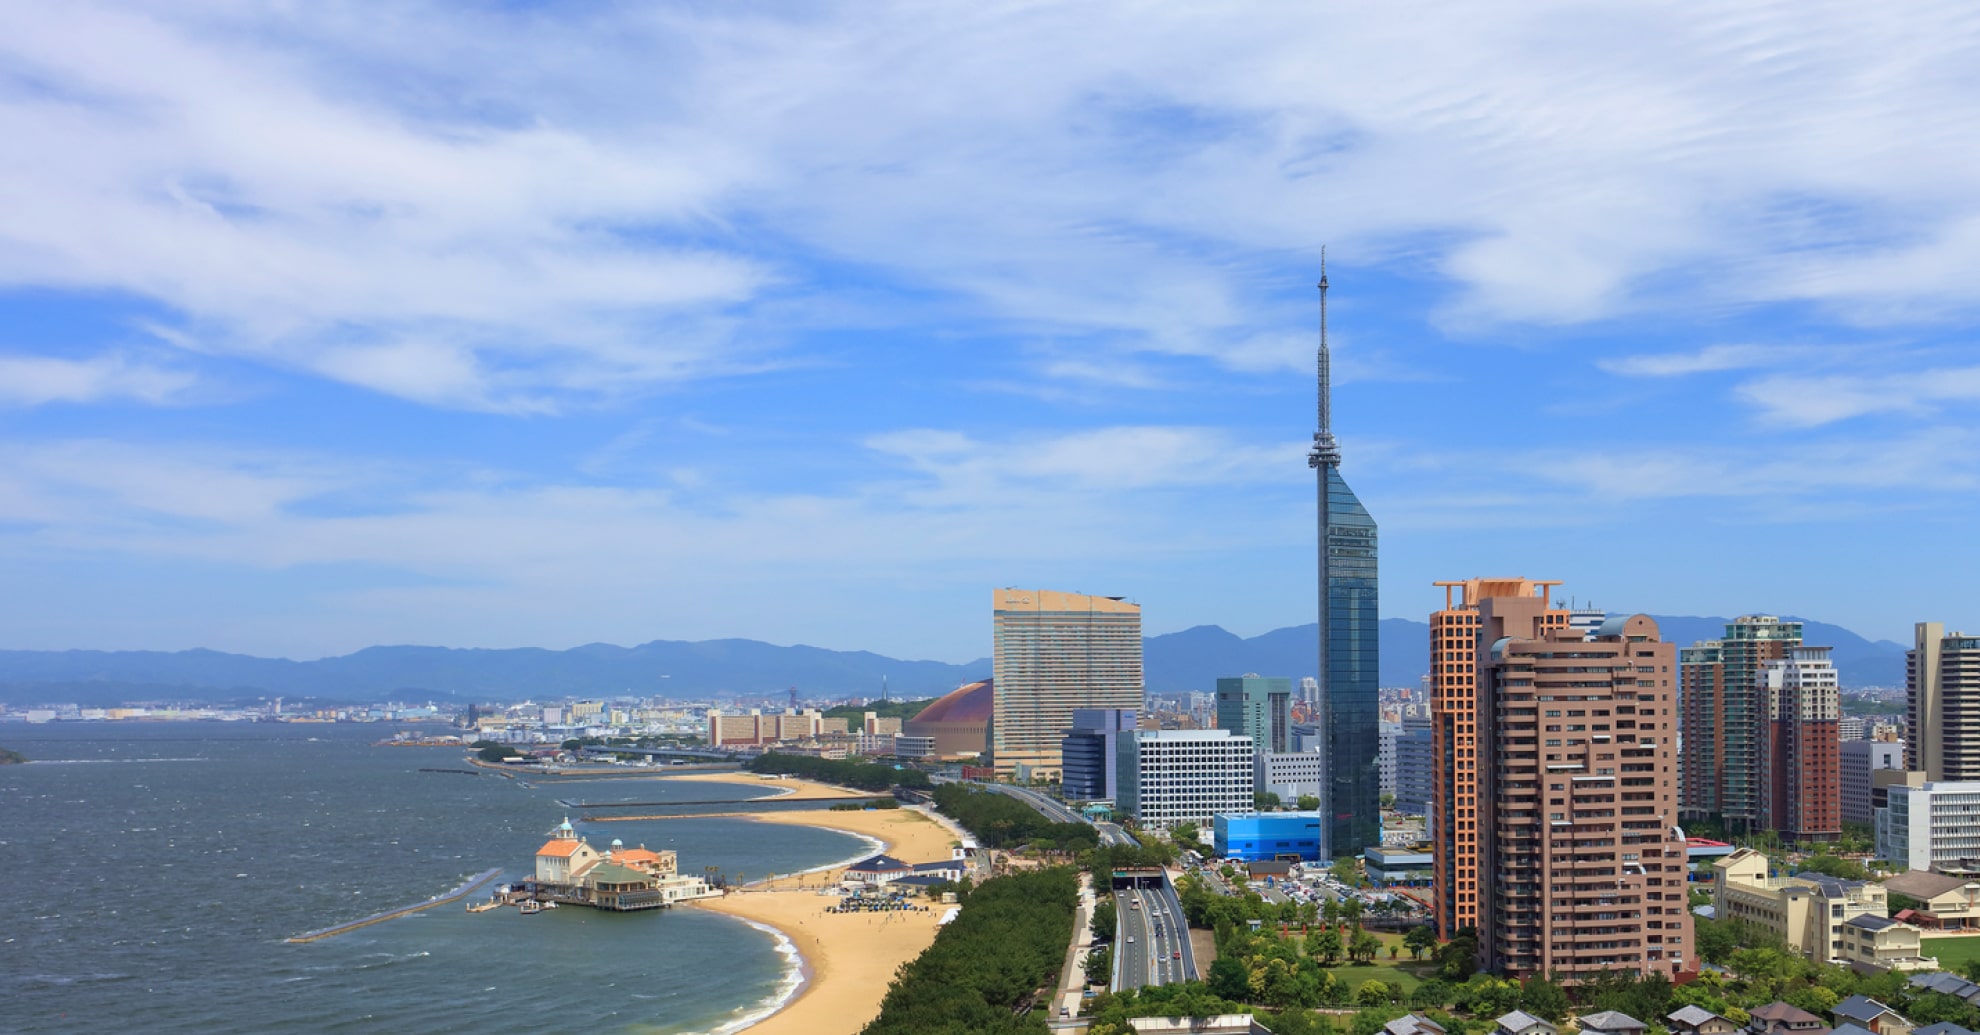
x=1152, y=947
x=1059, y=812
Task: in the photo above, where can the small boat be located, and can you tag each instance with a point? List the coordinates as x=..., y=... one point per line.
x=530, y=907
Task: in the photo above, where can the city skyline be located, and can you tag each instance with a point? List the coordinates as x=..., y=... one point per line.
x=547, y=327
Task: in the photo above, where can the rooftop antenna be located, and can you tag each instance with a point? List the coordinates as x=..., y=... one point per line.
x=1325, y=449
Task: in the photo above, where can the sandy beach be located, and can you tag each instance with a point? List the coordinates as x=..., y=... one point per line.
x=849, y=958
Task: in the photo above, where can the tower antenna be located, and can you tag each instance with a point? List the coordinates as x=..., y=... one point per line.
x=1325, y=450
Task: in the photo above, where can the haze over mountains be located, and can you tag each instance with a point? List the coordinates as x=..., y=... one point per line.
x=1188, y=660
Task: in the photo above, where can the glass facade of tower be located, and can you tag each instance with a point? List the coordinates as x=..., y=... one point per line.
x=1353, y=711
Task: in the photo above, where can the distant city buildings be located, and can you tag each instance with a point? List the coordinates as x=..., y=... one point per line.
x=1174, y=776
x=1551, y=745
x=754, y=728
x=1054, y=652
x=1942, y=691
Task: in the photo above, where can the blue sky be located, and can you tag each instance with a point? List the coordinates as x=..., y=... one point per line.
x=325, y=325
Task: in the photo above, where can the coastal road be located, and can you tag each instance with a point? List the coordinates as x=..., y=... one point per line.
x=1152, y=947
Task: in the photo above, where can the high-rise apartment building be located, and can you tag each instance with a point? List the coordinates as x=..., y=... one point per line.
x=1175, y=776
x=1260, y=707
x=1942, y=684
x=1054, y=652
x=1556, y=812
x=1799, y=755
x=1349, y=641
x=1859, y=760
x=1725, y=719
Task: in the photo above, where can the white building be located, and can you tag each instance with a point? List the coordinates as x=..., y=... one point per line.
x=1857, y=760
x=1172, y=776
x=1932, y=827
x=1289, y=774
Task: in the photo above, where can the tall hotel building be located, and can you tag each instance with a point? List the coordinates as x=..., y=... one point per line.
x=1556, y=786
x=1726, y=719
x=1942, y=684
x=1055, y=652
x=1350, y=711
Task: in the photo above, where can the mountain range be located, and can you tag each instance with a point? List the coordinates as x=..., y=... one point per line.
x=1188, y=660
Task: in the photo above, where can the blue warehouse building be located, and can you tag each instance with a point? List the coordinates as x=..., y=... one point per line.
x=1261, y=836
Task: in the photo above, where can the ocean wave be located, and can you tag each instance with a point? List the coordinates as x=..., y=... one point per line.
x=787, y=988
x=108, y=761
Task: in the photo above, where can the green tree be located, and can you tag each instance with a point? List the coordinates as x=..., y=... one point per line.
x=1387, y=800
x=1457, y=959
x=1105, y=920
x=1265, y=801
x=1347, y=871
x=1230, y=980
x=1544, y=998
x=1186, y=834
x=1326, y=945
x=1099, y=965
x=1364, y=945
x=1372, y=993
x=1420, y=939
x=1309, y=803
x=1431, y=995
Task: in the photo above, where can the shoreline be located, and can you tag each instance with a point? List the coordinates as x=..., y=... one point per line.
x=844, y=962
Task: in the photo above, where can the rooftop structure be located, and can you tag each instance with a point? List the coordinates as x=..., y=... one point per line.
x=957, y=724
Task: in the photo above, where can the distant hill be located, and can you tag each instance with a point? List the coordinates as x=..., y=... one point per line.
x=668, y=668
x=1192, y=659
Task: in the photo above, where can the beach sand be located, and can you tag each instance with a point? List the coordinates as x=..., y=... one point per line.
x=850, y=958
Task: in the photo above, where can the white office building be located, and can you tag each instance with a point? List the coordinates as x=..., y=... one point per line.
x=1932, y=827
x=1289, y=774
x=1172, y=776
x=1858, y=759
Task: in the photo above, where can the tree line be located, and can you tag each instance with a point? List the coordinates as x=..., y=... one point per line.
x=845, y=772
x=988, y=967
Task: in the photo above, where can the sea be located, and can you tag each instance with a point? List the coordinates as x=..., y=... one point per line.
x=154, y=871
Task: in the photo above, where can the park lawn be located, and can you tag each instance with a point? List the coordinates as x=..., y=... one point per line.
x=1952, y=952
x=1406, y=976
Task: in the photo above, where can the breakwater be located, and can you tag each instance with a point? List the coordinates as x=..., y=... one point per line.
x=392, y=914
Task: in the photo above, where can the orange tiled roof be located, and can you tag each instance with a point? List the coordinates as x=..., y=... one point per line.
x=631, y=856
x=561, y=848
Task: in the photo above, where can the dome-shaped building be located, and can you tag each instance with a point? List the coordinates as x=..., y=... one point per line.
x=959, y=723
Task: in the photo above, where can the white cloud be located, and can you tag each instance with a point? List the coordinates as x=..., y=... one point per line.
x=584, y=202
x=1708, y=360
x=1803, y=401
x=30, y=380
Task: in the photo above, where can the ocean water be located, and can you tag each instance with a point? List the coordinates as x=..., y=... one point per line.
x=155, y=870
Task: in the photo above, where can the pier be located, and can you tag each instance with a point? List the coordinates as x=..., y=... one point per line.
x=391, y=914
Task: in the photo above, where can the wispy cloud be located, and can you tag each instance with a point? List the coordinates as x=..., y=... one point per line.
x=27, y=380
x=1806, y=402
x=1708, y=360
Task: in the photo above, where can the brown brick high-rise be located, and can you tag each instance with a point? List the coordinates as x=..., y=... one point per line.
x=1557, y=787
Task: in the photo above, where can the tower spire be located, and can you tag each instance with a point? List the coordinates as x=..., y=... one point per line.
x=1325, y=450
